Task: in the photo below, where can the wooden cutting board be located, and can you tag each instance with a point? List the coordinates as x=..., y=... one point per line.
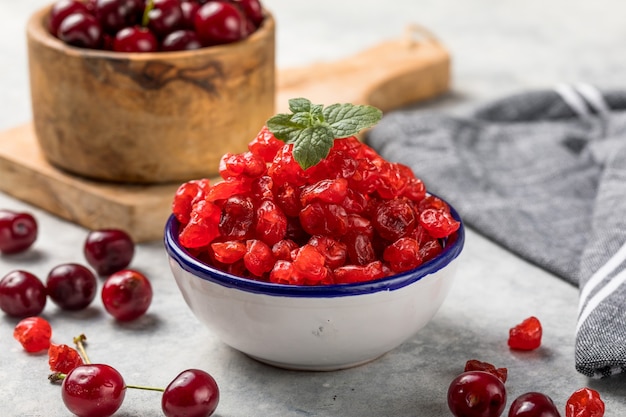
x=392, y=74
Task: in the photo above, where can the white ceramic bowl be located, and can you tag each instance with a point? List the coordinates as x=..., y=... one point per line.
x=313, y=328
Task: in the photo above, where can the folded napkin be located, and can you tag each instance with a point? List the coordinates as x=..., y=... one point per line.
x=543, y=174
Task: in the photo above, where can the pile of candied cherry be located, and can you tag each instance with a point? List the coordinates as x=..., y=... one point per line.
x=153, y=25
x=352, y=217
x=89, y=389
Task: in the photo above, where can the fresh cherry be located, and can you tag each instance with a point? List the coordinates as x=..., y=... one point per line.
x=115, y=15
x=189, y=9
x=135, y=39
x=218, y=23
x=252, y=9
x=192, y=393
x=71, y=286
x=33, y=333
x=81, y=30
x=61, y=9
x=108, y=250
x=127, y=294
x=165, y=17
x=22, y=294
x=181, y=40
x=476, y=394
x=18, y=231
x=93, y=390
x=533, y=404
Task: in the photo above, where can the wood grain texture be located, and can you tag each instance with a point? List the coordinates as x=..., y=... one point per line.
x=389, y=75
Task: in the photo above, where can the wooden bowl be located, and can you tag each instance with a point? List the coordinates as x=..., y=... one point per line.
x=148, y=117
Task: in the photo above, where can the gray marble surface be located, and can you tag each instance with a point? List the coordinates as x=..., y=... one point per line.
x=498, y=47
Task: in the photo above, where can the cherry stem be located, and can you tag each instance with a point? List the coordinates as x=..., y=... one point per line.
x=56, y=377
x=145, y=19
x=146, y=388
x=79, y=341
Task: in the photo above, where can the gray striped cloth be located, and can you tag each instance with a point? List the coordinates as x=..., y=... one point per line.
x=542, y=173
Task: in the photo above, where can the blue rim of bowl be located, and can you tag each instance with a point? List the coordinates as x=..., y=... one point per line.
x=452, y=249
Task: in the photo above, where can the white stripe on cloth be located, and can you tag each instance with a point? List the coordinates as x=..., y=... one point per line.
x=600, y=274
x=573, y=99
x=594, y=98
x=600, y=296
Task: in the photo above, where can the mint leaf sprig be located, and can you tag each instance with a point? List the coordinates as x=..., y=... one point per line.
x=312, y=128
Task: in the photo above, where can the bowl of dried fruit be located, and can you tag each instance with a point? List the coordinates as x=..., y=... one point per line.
x=149, y=91
x=312, y=252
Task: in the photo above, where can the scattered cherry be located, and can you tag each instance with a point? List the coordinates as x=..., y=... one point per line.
x=526, y=335
x=476, y=394
x=93, y=390
x=71, y=286
x=193, y=393
x=533, y=404
x=108, y=250
x=584, y=402
x=22, y=294
x=18, y=231
x=126, y=294
x=33, y=333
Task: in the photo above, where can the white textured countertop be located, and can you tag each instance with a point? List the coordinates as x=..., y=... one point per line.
x=497, y=48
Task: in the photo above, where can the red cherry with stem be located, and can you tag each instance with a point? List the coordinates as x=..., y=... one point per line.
x=71, y=286
x=33, y=333
x=193, y=393
x=60, y=10
x=114, y=15
x=18, y=231
x=164, y=17
x=181, y=40
x=476, y=394
x=126, y=295
x=533, y=404
x=93, y=390
x=108, y=250
x=22, y=294
x=135, y=39
x=81, y=30
x=219, y=23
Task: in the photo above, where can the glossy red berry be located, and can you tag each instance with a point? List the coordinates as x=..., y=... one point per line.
x=165, y=17
x=93, y=390
x=219, y=22
x=476, y=365
x=18, y=231
x=526, y=335
x=71, y=286
x=135, y=39
x=114, y=15
x=60, y=10
x=33, y=333
x=181, y=40
x=533, y=404
x=108, y=250
x=585, y=402
x=22, y=294
x=193, y=393
x=126, y=294
x=63, y=358
x=81, y=30
x=476, y=394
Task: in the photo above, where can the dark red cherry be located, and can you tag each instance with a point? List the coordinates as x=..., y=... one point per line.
x=165, y=17
x=252, y=9
x=189, y=9
x=93, y=390
x=533, y=404
x=108, y=250
x=126, y=295
x=22, y=294
x=181, y=40
x=81, y=30
x=71, y=286
x=135, y=39
x=192, y=393
x=476, y=394
x=218, y=23
x=18, y=231
x=60, y=10
x=115, y=15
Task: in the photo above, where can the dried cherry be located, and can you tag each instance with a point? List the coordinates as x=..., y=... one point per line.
x=584, y=402
x=526, y=335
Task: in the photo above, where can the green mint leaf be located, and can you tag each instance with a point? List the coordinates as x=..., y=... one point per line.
x=312, y=128
x=348, y=120
x=313, y=145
